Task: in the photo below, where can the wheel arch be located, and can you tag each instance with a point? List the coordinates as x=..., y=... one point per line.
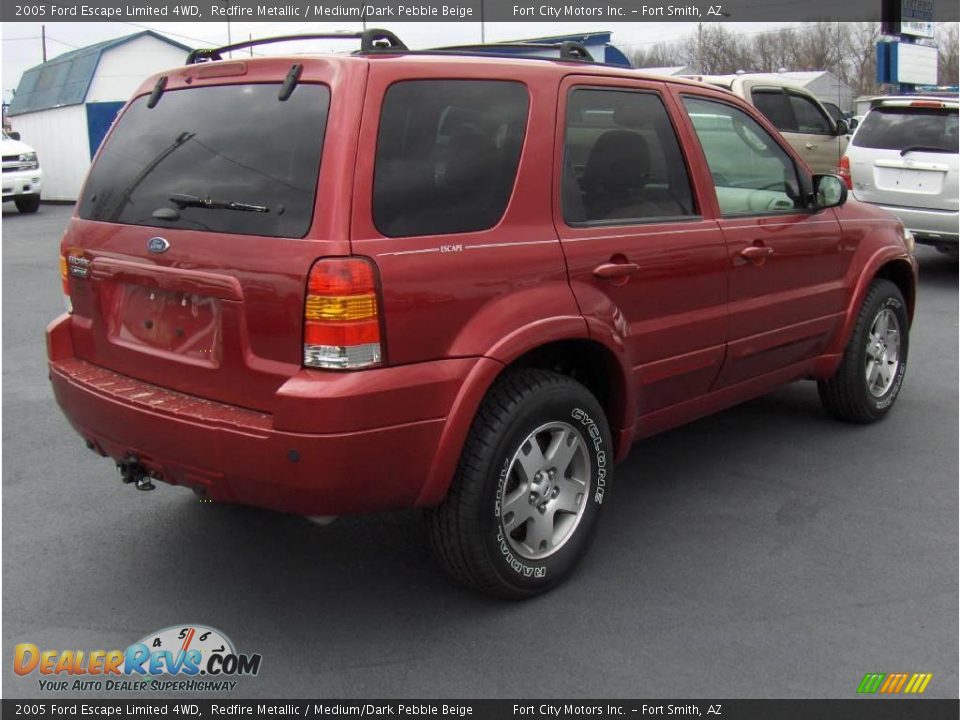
x=901, y=270
x=901, y=274
x=599, y=368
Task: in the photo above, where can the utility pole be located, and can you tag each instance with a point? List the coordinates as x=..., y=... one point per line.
x=700, y=49
x=43, y=41
x=483, y=30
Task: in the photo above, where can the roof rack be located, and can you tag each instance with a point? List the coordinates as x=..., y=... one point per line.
x=568, y=49
x=373, y=40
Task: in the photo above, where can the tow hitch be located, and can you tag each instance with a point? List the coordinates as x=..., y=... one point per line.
x=132, y=471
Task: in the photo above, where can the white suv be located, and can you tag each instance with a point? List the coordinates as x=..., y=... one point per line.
x=22, y=176
x=904, y=158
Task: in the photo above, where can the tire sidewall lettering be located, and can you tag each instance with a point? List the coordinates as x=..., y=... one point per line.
x=595, y=441
x=520, y=567
x=593, y=436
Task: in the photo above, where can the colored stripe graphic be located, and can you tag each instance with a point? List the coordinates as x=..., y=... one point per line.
x=894, y=683
x=918, y=683
x=870, y=683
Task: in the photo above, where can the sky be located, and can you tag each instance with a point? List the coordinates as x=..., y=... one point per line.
x=22, y=46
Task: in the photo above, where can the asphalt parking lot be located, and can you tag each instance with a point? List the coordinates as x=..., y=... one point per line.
x=764, y=552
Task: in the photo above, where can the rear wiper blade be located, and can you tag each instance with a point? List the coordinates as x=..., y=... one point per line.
x=184, y=201
x=922, y=148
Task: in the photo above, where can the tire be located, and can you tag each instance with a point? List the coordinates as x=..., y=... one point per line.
x=503, y=530
x=27, y=204
x=870, y=376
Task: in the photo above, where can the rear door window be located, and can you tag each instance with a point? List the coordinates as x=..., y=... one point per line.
x=622, y=160
x=810, y=118
x=899, y=128
x=774, y=105
x=228, y=159
x=447, y=155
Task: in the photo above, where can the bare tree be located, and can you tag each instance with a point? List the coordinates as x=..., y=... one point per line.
x=773, y=50
x=947, y=65
x=848, y=50
x=714, y=50
x=659, y=55
x=859, y=66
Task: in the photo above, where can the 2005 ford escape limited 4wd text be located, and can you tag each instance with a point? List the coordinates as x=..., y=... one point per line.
x=454, y=280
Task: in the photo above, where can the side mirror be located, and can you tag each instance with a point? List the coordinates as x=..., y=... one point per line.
x=13, y=135
x=828, y=191
x=853, y=122
x=843, y=128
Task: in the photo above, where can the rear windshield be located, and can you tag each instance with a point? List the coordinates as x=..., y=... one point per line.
x=232, y=145
x=900, y=128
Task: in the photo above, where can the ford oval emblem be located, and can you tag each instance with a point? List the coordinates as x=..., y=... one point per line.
x=157, y=245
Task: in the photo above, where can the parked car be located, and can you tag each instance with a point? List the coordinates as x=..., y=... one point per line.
x=800, y=117
x=409, y=294
x=837, y=115
x=22, y=176
x=904, y=158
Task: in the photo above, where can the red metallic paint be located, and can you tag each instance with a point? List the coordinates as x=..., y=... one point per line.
x=694, y=330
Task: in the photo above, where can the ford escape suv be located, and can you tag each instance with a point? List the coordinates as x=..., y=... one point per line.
x=456, y=281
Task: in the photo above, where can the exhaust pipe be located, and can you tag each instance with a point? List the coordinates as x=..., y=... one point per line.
x=132, y=471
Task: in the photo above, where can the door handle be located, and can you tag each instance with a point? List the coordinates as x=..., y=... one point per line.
x=809, y=146
x=614, y=271
x=756, y=254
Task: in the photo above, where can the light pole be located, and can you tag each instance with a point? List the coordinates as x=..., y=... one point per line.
x=227, y=4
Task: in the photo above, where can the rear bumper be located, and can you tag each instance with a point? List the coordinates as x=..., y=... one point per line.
x=237, y=455
x=930, y=226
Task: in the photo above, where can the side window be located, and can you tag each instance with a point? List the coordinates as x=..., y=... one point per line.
x=752, y=174
x=810, y=118
x=447, y=155
x=621, y=159
x=774, y=105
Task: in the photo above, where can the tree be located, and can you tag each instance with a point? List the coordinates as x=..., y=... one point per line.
x=947, y=65
x=659, y=55
x=859, y=65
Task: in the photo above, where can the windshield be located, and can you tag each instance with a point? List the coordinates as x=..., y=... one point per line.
x=899, y=128
x=232, y=144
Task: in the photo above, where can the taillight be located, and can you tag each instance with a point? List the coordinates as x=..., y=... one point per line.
x=844, y=172
x=927, y=104
x=64, y=286
x=341, y=315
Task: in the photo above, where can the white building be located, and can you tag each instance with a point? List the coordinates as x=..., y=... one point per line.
x=64, y=107
x=672, y=71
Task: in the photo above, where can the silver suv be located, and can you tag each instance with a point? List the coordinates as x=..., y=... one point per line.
x=904, y=158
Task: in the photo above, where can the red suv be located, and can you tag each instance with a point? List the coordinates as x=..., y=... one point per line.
x=455, y=279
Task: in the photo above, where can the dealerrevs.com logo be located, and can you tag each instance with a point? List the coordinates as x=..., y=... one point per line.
x=178, y=658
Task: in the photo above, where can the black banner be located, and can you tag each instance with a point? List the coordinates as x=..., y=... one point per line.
x=386, y=13
x=856, y=709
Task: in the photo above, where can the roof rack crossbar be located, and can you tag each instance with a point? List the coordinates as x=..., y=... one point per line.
x=568, y=49
x=371, y=41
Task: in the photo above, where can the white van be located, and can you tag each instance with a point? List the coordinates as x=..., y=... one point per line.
x=22, y=176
